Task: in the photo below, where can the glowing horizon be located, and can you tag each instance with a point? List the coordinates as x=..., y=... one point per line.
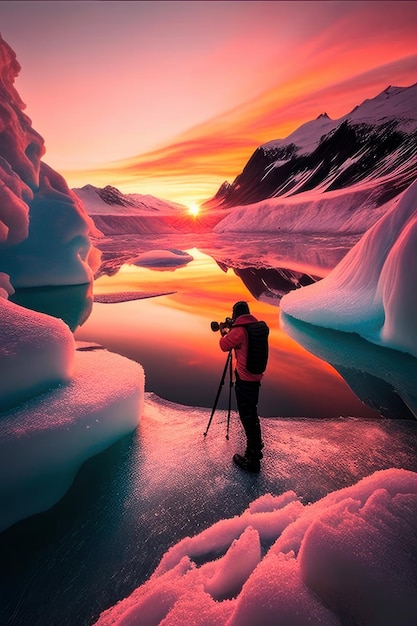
x=179, y=100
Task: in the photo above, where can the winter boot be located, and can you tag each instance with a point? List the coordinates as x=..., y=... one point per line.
x=248, y=463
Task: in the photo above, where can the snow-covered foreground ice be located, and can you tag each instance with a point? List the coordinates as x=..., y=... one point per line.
x=45, y=440
x=138, y=501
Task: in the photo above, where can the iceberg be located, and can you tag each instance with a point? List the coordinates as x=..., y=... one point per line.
x=55, y=411
x=371, y=291
x=46, y=439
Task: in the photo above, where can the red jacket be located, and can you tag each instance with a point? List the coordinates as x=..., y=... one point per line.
x=237, y=339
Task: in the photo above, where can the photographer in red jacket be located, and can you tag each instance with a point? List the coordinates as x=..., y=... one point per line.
x=247, y=384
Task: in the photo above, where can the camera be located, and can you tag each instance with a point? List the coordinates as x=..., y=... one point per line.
x=222, y=326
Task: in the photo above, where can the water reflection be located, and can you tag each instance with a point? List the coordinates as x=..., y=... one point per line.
x=270, y=284
x=171, y=337
x=382, y=378
x=71, y=303
x=306, y=253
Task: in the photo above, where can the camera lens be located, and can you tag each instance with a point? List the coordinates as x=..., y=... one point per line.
x=215, y=326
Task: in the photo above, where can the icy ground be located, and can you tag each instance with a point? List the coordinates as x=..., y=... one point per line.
x=164, y=483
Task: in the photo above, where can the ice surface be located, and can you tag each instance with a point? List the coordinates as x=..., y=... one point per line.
x=168, y=495
x=125, y=296
x=348, y=558
x=36, y=351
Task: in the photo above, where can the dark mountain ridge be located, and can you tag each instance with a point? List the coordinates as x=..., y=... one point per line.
x=376, y=140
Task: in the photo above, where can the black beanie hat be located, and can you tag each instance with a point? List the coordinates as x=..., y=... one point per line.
x=240, y=308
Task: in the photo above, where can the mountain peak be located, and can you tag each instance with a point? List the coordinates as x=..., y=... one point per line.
x=111, y=195
x=398, y=103
x=391, y=91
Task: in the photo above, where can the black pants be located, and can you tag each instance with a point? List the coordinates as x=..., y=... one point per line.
x=247, y=395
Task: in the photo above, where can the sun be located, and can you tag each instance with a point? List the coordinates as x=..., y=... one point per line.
x=193, y=209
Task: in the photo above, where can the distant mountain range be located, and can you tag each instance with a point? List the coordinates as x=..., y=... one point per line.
x=116, y=213
x=377, y=141
x=327, y=176
x=109, y=200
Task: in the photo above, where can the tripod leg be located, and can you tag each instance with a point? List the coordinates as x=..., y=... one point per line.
x=229, y=357
x=230, y=394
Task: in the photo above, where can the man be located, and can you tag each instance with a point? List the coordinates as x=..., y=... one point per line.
x=247, y=383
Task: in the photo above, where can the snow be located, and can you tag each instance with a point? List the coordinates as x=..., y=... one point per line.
x=393, y=103
x=396, y=103
x=372, y=290
x=129, y=204
x=307, y=136
x=343, y=211
x=36, y=352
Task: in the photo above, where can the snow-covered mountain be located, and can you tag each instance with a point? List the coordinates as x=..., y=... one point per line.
x=328, y=176
x=377, y=140
x=111, y=201
x=115, y=213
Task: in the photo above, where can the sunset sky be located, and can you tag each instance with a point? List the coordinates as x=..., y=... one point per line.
x=172, y=98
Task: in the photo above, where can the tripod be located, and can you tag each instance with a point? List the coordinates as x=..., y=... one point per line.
x=227, y=366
